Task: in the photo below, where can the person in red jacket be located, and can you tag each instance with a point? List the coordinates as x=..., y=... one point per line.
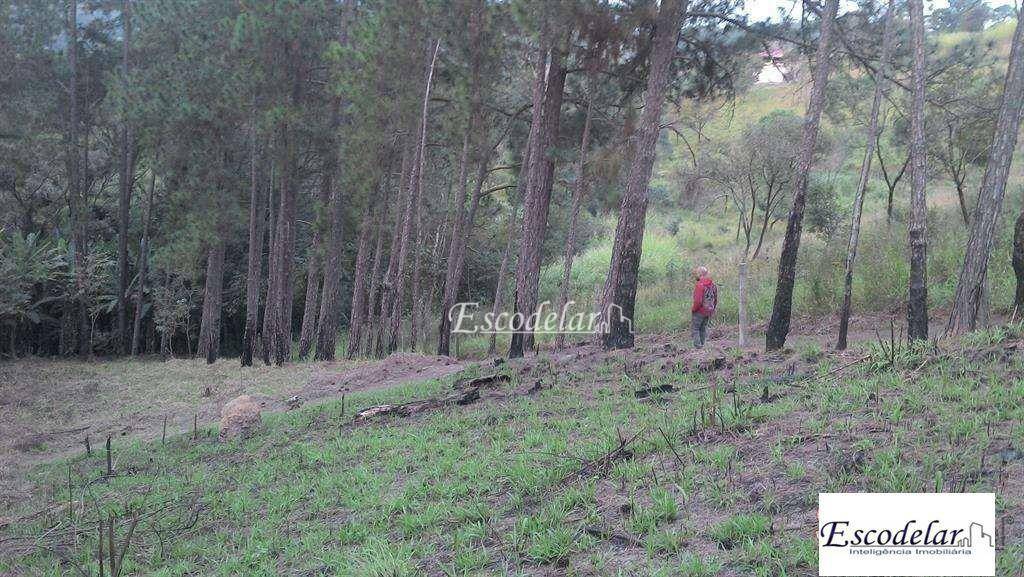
x=705, y=300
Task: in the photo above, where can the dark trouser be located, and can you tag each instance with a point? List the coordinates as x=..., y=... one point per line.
x=700, y=329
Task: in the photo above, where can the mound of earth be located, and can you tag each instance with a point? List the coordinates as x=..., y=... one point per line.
x=397, y=369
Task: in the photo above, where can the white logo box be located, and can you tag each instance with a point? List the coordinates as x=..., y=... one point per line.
x=906, y=534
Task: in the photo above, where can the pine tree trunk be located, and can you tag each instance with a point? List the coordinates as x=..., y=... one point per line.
x=314, y=271
x=125, y=181
x=374, y=282
x=865, y=175
x=254, y=268
x=537, y=204
x=970, y=288
x=498, y=306
x=456, y=246
x=628, y=247
x=75, y=198
x=415, y=184
x=280, y=336
x=358, y=316
x=782, y=308
x=142, y=266
x=579, y=193
x=388, y=283
x=417, y=262
x=917, y=303
x=269, y=312
x=742, y=294
x=209, y=328
x=1018, y=263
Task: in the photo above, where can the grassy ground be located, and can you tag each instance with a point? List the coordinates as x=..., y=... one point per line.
x=579, y=478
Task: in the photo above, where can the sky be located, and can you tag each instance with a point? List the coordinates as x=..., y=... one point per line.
x=761, y=9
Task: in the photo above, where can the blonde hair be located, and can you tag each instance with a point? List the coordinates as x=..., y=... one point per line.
x=700, y=271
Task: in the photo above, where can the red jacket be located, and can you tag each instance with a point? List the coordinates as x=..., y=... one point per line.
x=698, y=296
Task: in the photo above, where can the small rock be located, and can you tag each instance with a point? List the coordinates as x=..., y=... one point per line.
x=239, y=418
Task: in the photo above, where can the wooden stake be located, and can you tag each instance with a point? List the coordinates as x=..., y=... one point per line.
x=110, y=462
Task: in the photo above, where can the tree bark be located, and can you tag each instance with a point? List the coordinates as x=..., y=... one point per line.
x=280, y=307
x=75, y=197
x=387, y=289
x=314, y=271
x=579, y=193
x=126, y=177
x=375, y=281
x=254, y=263
x=537, y=203
x=209, y=328
x=455, y=247
x=359, y=281
x=143, y=265
x=1018, y=262
x=917, y=302
x=498, y=306
x=264, y=337
x=742, y=293
x=865, y=175
x=778, y=326
x=970, y=288
x=415, y=184
x=626, y=252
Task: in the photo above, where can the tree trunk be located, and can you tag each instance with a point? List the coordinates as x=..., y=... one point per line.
x=498, y=306
x=254, y=263
x=970, y=288
x=143, y=265
x=209, y=328
x=126, y=176
x=328, y=317
x=375, y=281
x=415, y=184
x=455, y=249
x=917, y=303
x=579, y=193
x=314, y=271
x=865, y=175
x=626, y=252
x=742, y=293
x=264, y=337
x=75, y=198
x=359, y=281
x=390, y=279
x=537, y=204
x=280, y=307
x=1018, y=263
x=778, y=326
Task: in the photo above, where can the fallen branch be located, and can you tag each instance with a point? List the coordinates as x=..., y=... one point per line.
x=464, y=397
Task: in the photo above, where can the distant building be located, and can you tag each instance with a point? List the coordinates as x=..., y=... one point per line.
x=773, y=67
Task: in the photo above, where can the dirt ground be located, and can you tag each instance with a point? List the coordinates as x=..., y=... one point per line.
x=48, y=408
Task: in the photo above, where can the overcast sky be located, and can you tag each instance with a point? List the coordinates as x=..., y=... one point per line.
x=761, y=9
